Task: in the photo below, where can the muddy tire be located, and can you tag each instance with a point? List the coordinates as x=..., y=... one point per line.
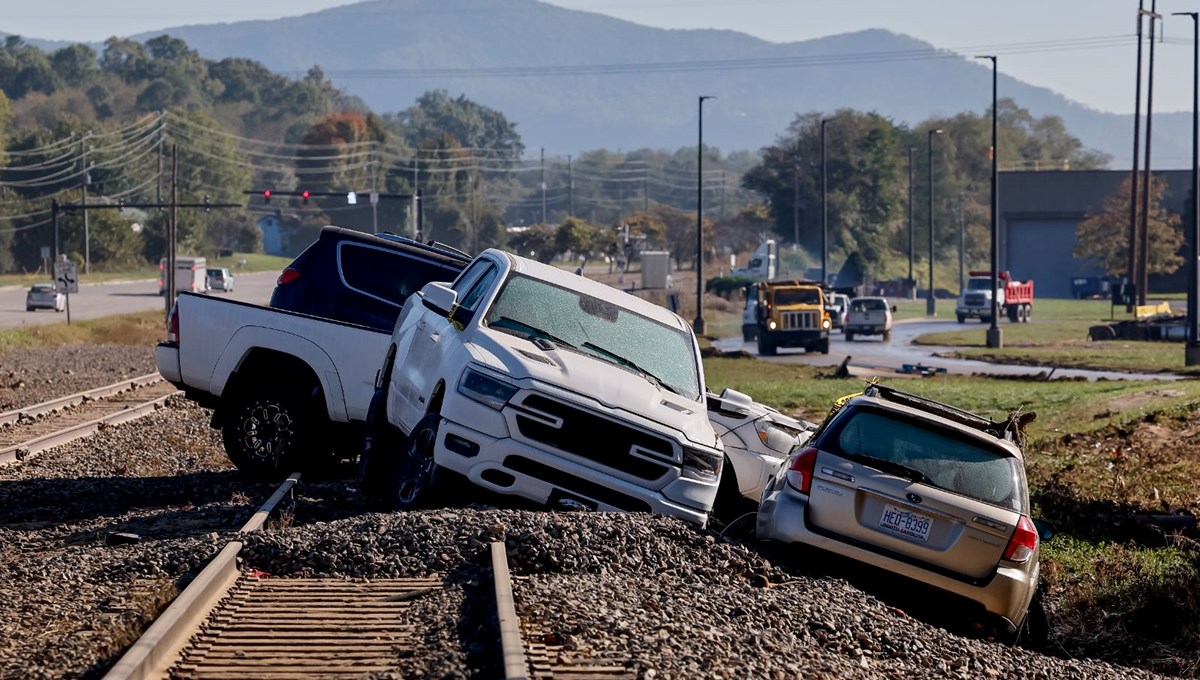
x=766, y=348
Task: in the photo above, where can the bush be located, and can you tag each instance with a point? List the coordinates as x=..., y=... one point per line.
x=726, y=286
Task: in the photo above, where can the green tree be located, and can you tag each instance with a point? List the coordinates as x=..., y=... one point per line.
x=537, y=242
x=1103, y=236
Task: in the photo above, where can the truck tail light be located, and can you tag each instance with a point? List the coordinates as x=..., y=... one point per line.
x=173, y=325
x=800, y=472
x=287, y=276
x=1023, y=542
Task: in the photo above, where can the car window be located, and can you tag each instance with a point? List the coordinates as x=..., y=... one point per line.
x=482, y=284
x=869, y=305
x=956, y=463
x=468, y=276
x=798, y=296
x=385, y=274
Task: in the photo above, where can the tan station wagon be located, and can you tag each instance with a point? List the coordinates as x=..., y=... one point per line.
x=919, y=489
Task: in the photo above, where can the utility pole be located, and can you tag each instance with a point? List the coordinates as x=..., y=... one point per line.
x=995, y=337
x=374, y=189
x=544, y=185
x=796, y=205
x=172, y=230
x=1144, y=269
x=723, y=194
x=1132, y=277
x=570, y=189
x=416, y=193
x=1191, y=354
x=912, y=245
x=962, y=244
x=824, y=209
x=645, y=190
x=158, y=190
x=931, y=303
x=698, y=324
x=84, y=179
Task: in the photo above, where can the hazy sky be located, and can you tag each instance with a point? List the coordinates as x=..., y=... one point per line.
x=1101, y=77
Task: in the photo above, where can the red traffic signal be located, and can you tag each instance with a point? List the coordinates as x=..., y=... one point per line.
x=304, y=195
x=267, y=196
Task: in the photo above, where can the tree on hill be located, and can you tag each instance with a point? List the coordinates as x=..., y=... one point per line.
x=1104, y=236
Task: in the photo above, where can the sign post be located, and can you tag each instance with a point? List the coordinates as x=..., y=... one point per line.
x=66, y=281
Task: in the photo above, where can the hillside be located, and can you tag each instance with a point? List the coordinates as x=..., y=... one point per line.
x=567, y=113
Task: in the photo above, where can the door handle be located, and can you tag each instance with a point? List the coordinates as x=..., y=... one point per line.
x=421, y=325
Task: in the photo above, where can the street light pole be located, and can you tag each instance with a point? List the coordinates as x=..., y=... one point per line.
x=824, y=209
x=1132, y=277
x=912, y=249
x=931, y=303
x=1144, y=239
x=995, y=337
x=1191, y=355
x=698, y=324
x=962, y=245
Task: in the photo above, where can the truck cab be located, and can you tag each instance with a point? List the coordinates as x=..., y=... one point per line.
x=763, y=263
x=792, y=314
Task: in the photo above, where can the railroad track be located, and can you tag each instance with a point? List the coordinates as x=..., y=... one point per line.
x=33, y=429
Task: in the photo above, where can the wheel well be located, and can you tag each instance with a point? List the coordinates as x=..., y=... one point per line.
x=435, y=401
x=277, y=367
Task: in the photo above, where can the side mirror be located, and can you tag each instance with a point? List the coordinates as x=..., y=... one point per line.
x=1044, y=528
x=439, y=297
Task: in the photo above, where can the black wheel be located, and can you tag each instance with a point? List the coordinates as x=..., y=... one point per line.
x=887, y=336
x=268, y=434
x=1034, y=631
x=962, y=319
x=766, y=348
x=747, y=337
x=985, y=319
x=380, y=449
x=730, y=503
x=823, y=346
x=415, y=480
x=29, y=309
x=1014, y=313
x=849, y=336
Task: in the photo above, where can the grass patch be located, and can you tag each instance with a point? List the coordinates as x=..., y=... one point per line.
x=1062, y=406
x=140, y=328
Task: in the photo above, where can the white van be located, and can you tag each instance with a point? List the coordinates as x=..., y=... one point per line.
x=191, y=274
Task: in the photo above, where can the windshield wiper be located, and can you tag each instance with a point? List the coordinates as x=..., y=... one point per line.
x=898, y=469
x=531, y=331
x=629, y=363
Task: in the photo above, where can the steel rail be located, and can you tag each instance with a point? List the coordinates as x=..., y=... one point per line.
x=73, y=431
x=32, y=412
x=154, y=652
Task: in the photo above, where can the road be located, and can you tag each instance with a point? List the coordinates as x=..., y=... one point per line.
x=104, y=299
x=870, y=353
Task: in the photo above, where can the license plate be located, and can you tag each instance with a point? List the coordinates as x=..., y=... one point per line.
x=905, y=523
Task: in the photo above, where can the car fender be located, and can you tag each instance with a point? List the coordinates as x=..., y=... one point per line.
x=248, y=338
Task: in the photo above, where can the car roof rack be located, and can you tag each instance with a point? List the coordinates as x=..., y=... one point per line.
x=1011, y=428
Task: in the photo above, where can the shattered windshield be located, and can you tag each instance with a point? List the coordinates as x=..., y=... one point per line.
x=608, y=332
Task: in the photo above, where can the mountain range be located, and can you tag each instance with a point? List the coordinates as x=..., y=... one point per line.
x=576, y=80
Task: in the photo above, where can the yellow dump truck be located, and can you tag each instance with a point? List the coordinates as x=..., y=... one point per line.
x=792, y=314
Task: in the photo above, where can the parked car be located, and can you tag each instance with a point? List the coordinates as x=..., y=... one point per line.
x=869, y=316
x=361, y=278
x=44, y=296
x=534, y=382
x=757, y=439
x=921, y=490
x=220, y=279
x=838, y=306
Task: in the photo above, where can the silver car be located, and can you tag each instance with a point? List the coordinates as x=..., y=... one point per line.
x=219, y=279
x=921, y=490
x=44, y=296
x=757, y=440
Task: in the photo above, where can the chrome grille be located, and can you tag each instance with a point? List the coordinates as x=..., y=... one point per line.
x=976, y=299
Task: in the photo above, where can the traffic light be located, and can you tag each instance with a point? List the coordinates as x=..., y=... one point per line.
x=304, y=195
x=267, y=196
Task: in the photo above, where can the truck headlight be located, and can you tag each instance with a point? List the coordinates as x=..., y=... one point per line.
x=702, y=465
x=825, y=323
x=778, y=438
x=483, y=388
x=771, y=324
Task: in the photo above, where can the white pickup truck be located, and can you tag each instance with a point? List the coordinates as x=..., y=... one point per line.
x=531, y=381
x=284, y=385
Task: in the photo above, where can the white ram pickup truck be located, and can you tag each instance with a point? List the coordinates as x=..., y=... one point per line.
x=285, y=386
x=533, y=382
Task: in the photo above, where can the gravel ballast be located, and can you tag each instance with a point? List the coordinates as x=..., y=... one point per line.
x=29, y=376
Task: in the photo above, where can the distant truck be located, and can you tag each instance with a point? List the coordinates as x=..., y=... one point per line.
x=792, y=314
x=1015, y=298
x=191, y=275
x=763, y=265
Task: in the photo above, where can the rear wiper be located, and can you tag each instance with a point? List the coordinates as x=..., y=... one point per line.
x=531, y=331
x=617, y=358
x=911, y=474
